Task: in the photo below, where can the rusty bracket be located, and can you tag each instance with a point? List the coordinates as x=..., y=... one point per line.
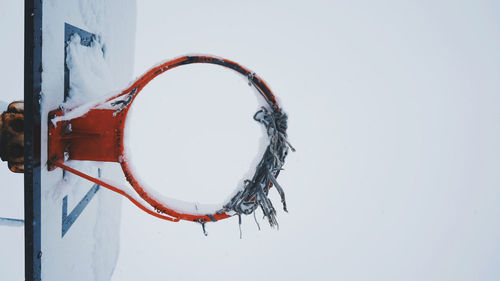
x=12, y=136
x=94, y=136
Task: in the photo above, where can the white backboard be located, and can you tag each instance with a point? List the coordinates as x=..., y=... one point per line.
x=76, y=51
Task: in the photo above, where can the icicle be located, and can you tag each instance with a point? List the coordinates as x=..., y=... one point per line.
x=203, y=227
x=280, y=190
x=289, y=144
x=239, y=223
x=255, y=218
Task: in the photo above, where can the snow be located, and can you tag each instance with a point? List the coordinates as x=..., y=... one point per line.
x=85, y=64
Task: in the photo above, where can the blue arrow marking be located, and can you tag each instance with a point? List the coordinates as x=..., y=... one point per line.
x=68, y=220
x=86, y=40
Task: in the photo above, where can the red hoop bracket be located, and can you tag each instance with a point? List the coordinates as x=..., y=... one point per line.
x=98, y=135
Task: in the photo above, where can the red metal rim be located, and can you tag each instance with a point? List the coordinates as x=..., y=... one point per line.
x=135, y=89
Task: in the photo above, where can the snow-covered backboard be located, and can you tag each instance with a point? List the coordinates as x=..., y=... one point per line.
x=76, y=51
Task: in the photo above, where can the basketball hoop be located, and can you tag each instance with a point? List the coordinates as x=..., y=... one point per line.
x=98, y=135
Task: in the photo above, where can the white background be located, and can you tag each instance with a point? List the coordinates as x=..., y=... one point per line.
x=11, y=185
x=394, y=111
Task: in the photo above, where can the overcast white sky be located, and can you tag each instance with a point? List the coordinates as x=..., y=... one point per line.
x=11, y=185
x=394, y=111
